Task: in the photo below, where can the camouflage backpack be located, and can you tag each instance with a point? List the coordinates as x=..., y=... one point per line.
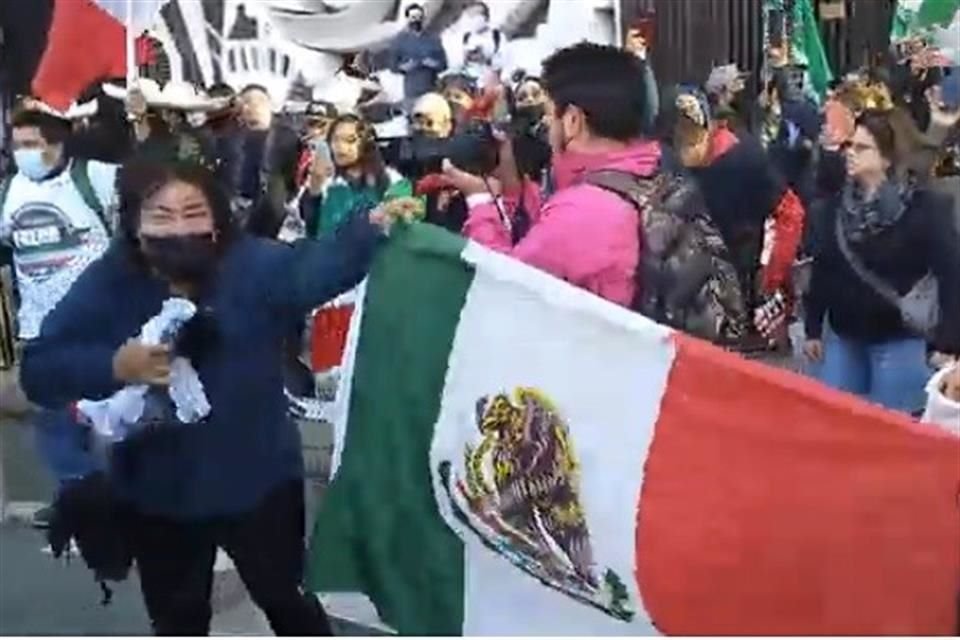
x=686, y=278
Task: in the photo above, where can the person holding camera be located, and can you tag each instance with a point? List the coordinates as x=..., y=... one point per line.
x=583, y=233
x=348, y=176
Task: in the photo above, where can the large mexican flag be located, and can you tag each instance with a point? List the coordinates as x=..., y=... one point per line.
x=518, y=457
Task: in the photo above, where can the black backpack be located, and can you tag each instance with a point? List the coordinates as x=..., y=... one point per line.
x=685, y=277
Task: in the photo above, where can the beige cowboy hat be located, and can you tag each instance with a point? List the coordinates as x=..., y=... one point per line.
x=185, y=97
x=180, y=96
x=74, y=112
x=148, y=87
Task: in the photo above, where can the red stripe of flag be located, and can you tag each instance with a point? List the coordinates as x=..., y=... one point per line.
x=85, y=44
x=772, y=505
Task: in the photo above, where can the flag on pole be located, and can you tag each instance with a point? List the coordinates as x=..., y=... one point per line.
x=806, y=47
x=86, y=43
x=518, y=457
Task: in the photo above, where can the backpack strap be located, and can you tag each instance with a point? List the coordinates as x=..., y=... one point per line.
x=636, y=190
x=4, y=191
x=81, y=180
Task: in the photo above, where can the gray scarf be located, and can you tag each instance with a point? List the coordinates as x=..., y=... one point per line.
x=863, y=218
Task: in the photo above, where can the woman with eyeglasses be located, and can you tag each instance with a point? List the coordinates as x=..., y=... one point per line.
x=880, y=233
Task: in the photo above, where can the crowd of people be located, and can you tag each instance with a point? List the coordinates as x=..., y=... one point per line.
x=725, y=213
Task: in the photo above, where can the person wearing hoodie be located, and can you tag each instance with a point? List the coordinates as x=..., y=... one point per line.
x=760, y=217
x=235, y=478
x=582, y=233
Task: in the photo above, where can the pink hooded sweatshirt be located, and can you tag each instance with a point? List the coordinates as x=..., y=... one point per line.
x=582, y=234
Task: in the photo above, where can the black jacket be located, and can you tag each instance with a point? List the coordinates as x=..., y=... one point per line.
x=924, y=240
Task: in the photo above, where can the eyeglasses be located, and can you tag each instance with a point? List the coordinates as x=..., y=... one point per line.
x=857, y=147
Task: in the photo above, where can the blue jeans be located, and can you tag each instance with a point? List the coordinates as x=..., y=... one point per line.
x=892, y=374
x=64, y=446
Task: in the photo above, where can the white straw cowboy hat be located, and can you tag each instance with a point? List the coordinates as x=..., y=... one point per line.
x=185, y=97
x=149, y=88
x=180, y=96
x=74, y=112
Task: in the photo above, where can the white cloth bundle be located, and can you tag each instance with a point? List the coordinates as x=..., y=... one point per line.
x=114, y=418
x=941, y=410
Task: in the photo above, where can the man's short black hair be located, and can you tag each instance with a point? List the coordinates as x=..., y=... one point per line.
x=482, y=6
x=54, y=130
x=221, y=90
x=406, y=12
x=603, y=81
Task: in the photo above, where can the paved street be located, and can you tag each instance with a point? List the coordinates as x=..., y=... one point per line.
x=43, y=596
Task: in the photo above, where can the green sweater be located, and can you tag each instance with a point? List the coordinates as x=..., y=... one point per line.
x=341, y=200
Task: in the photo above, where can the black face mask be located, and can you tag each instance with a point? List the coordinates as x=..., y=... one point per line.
x=416, y=25
x=529, y=118
x=189, y=258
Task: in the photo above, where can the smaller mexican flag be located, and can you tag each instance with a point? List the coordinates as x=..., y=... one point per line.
x=87, y=43
x=516, y=456
x=914, y=17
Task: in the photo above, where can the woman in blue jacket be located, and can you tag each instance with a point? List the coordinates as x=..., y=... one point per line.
x=234, y=480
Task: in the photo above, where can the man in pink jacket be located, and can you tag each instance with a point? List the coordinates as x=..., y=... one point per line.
x=583, y=234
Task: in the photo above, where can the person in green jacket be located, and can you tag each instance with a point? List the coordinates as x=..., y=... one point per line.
x=354, y=182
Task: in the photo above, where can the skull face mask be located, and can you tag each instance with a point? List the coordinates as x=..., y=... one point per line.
x=432, y=116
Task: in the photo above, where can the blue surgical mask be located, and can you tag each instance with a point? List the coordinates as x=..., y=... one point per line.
x=31, y=164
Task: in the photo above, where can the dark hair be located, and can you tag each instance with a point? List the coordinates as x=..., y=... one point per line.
x=781, y=82
x=54, y=130
x=223, y=90
x=877, y=123
x=406, y=12
x=371, y=160
x=481, y=5
x=145, y=174
x=603, y=81
x=459, y=81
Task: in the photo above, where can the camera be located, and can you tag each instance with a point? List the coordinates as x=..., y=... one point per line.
x=531, y=146
x=473, y=149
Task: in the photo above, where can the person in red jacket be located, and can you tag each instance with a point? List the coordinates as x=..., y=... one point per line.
x=760, y=217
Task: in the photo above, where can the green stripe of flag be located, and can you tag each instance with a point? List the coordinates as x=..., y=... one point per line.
x=361, y=543
x=936, y=13
x=807, y=47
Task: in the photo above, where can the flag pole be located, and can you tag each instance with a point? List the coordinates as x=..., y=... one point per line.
x=131, y=49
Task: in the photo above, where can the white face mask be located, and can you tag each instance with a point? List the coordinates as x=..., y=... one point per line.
x=31, y=164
